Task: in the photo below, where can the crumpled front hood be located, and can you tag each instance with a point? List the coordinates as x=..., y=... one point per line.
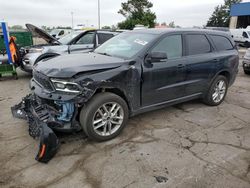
x=66, y=66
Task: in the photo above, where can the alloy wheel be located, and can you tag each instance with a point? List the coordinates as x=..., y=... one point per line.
x=108, y=119
x=219, y=91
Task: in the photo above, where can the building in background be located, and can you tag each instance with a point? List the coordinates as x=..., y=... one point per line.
x=240, y=15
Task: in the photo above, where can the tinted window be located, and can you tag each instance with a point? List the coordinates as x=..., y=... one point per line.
x=103, y=37
x=245, y=35
x=221, y=43
x=197, y=44
x=86, y=39
x=171, y=45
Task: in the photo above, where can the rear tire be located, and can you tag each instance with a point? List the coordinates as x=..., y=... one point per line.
x=217, y=91
x=104, y=116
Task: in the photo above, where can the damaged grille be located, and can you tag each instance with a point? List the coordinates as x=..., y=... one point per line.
x=43, y=80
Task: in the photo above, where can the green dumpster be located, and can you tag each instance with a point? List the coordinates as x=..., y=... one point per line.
x=23, y=38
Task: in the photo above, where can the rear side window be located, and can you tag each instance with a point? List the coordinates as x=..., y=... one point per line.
x=103, y=37
x=197, y=44
x=221, y=43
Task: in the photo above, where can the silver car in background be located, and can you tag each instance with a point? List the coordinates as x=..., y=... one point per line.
x=76, y=42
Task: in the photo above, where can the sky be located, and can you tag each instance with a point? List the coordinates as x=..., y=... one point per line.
x=185, y=13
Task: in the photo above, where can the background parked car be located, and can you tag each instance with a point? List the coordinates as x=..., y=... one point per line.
x=59, y=33
x=75, y=42
x=246, y=62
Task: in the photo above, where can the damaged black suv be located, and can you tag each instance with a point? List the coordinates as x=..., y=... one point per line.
x=132, y=73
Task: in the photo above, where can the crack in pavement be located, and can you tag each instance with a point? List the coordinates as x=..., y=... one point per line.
x=193, y=142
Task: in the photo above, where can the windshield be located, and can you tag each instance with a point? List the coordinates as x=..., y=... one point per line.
x=125, y=45
x=66, y=39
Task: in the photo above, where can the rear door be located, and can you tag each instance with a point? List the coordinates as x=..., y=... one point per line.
x=201, y=62
x=227, y=54
x=163, y=81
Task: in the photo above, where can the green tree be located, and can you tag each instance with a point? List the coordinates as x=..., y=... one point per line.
x=106, y=27
x=137, y=12
x=45, y=28
x=171, y=24
x=221, y=14
x=17, y=27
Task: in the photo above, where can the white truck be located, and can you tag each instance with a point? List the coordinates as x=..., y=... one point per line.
x=241, y=36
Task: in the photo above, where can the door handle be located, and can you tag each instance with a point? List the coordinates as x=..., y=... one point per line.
x=216, y=60
x=180, y=66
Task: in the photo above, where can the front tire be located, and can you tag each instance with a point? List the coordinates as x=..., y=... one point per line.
x=217, y=91
x=104, y=116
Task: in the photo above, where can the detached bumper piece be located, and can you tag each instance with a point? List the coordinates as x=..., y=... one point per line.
x=48, y=144
x=36, y=116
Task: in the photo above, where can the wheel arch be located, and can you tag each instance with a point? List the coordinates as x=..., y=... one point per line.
x=226, y=74
x=115, y=91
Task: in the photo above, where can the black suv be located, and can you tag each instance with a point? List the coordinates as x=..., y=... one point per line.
x=132, y=73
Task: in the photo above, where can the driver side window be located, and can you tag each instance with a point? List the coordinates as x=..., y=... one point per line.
x=88, y=38
x=171, y=45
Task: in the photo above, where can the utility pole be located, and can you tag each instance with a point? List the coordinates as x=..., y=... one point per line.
x=99, y=16
x=72, y=20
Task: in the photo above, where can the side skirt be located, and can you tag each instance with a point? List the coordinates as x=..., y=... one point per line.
x=166, y=104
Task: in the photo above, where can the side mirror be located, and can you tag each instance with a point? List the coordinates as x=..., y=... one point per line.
x=157, y=57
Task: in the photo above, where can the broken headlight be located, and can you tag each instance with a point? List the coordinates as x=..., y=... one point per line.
x=65, y=86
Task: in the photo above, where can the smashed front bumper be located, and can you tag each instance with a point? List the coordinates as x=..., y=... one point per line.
x=38, y=118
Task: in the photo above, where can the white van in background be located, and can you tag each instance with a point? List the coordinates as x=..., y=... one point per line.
x=241, y=36
x=59, y=33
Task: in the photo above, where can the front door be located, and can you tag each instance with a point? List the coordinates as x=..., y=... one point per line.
x=163, y=81
x=84, y=43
